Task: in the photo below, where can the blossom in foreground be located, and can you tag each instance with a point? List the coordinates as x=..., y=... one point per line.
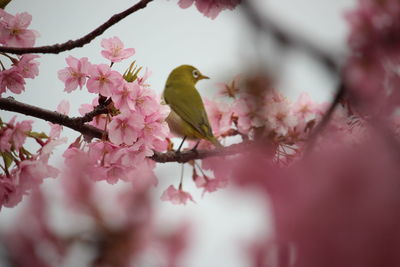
x=114, y=50
x=13, y=30
x=20, y=130
x=176, y=196
x=75, y=74
x=28, y=67
x=156, y=129
x=210, y=8
x=11, y=79
x=28, y=173
x=103, y=80
x=125, y=128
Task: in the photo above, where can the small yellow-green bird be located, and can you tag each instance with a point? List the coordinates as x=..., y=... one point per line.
x=188, y=118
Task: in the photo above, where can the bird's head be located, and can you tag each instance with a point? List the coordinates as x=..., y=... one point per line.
x=187, y=73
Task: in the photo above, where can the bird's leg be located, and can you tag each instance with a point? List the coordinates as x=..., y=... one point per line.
x=196, y=145
x=179, y=148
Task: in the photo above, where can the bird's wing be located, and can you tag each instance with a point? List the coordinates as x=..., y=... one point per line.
x=190, y=98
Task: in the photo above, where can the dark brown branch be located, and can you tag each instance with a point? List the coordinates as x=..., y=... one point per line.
x=100, y=109
x=58, y=48
x=76, y=124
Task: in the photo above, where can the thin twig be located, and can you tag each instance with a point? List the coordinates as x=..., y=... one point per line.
x=69, y=45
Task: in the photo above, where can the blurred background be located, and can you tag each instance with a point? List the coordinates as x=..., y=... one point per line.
x=164, y=37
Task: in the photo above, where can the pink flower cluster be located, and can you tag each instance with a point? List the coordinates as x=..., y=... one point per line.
x=22, y=170
x=210, y=8
x=22, y=68
x=135, y=128
x=14, y=32
x=267, y=111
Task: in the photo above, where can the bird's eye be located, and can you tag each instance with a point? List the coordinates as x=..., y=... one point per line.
x=196, y=74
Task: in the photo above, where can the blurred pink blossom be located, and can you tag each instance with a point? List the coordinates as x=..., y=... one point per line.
x=20, y=131
x=176, y=196
x=209, y=184
x=210, y=8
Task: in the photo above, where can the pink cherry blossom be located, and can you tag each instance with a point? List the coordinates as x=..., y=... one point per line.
x=27, y=66
x=5, y=139
x=372, y=68
x=304, y=108
x=156, y=129
x=141, y=80
x=249, y=114
x=125, y=128
x=63, y=108
x=103, y=80
x=144, y=99
x=210, y=8
x=176, y=196
x=76, y=74
x=13, y=30
x=13, y=80
x=209, y=185
x=220, y=116
x=123, y=97
x=99, y=121
x=8, y=191
x=114, y=49
x=280, y=118
x=20, y=130
x=27, y=175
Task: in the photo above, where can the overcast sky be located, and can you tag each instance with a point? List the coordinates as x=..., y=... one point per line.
x=164, y=37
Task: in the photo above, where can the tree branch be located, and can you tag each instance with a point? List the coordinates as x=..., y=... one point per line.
x=185, y=156
x=76, y=124
x=69, y=45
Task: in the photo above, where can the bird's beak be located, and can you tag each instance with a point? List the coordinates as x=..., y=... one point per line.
x=203, y=77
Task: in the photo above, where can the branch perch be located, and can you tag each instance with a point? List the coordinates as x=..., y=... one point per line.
x=10, y=104
x=78, y=124
x=69, y=45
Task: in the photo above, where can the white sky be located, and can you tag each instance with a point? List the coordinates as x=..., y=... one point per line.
x=164, y=37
